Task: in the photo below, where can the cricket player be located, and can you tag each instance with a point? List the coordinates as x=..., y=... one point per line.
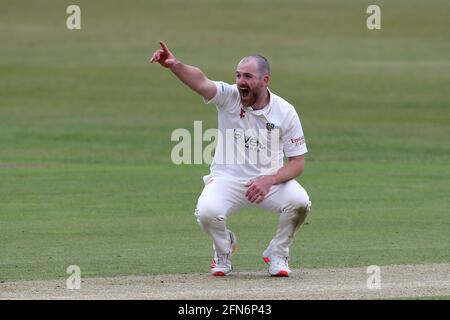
x=257, y=129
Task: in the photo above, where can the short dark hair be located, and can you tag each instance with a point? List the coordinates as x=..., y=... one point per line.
x=261, y=62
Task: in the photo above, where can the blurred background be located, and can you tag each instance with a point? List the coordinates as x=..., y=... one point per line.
x=85, y=124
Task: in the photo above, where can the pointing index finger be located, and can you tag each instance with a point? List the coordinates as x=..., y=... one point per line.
x=164, y=46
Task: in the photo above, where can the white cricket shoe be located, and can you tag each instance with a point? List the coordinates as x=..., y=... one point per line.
x=278, y=266
x=223, y=265
x=215, y=259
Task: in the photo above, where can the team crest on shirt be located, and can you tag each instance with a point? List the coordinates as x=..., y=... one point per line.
x=270, y=126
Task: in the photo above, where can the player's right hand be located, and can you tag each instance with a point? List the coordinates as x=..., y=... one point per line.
x=163, y=56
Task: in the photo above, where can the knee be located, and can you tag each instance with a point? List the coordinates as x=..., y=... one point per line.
x=303, y=208
x=299, y=204
x=297, y=211
x=208, y=211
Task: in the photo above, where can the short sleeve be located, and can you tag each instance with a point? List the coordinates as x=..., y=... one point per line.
x=225, y=95
x=293, y=139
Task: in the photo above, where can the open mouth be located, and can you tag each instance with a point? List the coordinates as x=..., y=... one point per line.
x=244, y=92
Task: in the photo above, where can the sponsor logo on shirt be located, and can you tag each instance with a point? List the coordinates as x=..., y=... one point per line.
x=298, y=141
x=249, y=141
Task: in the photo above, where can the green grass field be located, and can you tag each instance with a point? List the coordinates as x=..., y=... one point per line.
x=85, y=123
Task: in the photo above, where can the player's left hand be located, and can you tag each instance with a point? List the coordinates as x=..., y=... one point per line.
x=258, y=188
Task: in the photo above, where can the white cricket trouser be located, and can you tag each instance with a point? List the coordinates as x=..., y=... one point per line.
x=222, y=196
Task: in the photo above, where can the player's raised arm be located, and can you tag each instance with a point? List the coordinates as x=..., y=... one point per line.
x=192, y=76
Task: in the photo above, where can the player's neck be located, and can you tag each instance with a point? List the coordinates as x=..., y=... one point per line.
x=262, y=102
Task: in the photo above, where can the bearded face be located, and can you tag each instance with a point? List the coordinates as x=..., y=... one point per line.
x=250, y=83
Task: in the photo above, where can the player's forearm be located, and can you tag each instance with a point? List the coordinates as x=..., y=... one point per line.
x=292, y=169
x=191, y=76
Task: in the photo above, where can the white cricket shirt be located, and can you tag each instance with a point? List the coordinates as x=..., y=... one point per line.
x=254, y=142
